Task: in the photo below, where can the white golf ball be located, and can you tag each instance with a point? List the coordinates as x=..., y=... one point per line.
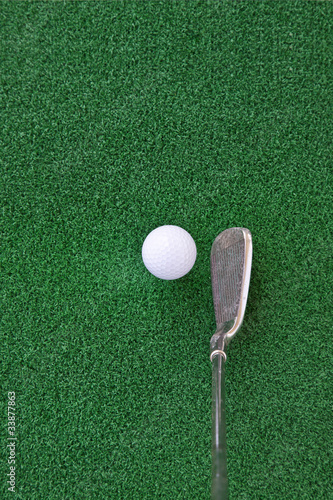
x=169, y=252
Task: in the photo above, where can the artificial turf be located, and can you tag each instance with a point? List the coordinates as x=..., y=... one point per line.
x=118, y=117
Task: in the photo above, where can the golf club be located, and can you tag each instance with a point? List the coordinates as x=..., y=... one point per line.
x=231, y=259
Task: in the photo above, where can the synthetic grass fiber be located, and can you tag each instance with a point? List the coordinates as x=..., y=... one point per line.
x=118, y=117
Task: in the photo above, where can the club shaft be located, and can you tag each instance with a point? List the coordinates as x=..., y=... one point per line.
x=219, y=442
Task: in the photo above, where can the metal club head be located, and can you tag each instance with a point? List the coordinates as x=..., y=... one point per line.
x=231, y=259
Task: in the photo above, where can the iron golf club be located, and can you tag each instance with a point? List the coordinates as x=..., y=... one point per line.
x=231, y=259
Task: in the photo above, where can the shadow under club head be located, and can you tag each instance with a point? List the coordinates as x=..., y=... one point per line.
x=231, y=259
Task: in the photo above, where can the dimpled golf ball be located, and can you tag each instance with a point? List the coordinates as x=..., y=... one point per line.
x=169, y=252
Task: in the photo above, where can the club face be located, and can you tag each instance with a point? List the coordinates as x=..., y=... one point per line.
x=231, y=259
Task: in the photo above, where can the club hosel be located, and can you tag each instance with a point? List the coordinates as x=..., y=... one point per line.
x=217, y=346
x=219, y=340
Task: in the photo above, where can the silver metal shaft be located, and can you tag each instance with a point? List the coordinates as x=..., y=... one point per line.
x=219, y=440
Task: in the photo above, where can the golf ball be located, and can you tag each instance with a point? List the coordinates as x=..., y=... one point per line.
x=169, y=252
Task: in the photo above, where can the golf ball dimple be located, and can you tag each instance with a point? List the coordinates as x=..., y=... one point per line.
x=169, y=252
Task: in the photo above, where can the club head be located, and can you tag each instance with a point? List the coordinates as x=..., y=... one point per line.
x=231, y=259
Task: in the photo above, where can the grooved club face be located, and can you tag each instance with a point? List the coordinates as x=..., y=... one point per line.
x=231, y=259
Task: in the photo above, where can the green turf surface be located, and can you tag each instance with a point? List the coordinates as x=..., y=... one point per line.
x=118, y=117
